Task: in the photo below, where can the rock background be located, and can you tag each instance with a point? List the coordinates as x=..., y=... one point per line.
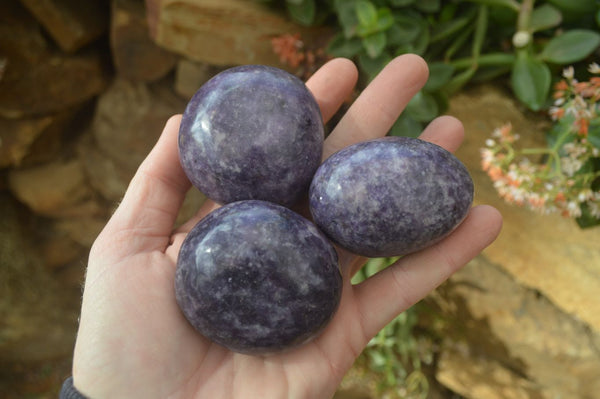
x=84, y=94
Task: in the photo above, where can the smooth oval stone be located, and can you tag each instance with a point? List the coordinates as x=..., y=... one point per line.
x=390, y=196
x=252, y=132
x=257, y=278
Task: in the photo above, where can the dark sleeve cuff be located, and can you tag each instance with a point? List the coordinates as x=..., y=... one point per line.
x=68, y=391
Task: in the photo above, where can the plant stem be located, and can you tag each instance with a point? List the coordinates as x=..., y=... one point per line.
x=553, y=157
x=492, y=59
x=524, y=19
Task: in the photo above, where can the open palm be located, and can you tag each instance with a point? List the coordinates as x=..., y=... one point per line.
x=133, y=341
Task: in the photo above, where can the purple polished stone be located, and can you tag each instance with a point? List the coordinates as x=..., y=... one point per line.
x=390, y=196
x=256, y=278
x=252, y=132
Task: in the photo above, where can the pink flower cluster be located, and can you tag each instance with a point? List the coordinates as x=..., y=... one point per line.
x=557, y=178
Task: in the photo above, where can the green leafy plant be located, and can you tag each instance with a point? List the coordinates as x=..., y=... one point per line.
x=463, y=41
x=395, y=353
x=563, y=177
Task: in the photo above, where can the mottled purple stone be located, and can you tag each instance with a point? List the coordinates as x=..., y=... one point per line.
x=252, y=132
x=390, y=196
x=257, y=278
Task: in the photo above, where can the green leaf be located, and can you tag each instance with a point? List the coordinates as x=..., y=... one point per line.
x=378, y=360
x=374, y=44
x=530, y=80
x=594, y=133
x=342, y=47
x=571, y=46
x=444, y=30
x=481, y=26
x=400, y=3
x=511, y=4
x=544, y=17
x=385, y=19
x=586, y=220
x=575, y=6
x=440, y=73
x=366, y=13
x=372, y=66
x=302, y=12
x=422, y=107
x=459, y=81
x=405, y=30
x=428, y=6
x=346, y=13
x=406, y=126
x=423, y=40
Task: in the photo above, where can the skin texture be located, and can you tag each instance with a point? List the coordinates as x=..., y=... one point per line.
x=390, y=196
x=257, y=278
x=133, y=340
x=252, y=132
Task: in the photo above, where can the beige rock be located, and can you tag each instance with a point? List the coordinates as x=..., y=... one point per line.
x=56, y=189
x=548, y=253
x=129, y=118
x=190, y=75
x=135, y=55
x=506, y=339
x=221, y=32
x=480, y=378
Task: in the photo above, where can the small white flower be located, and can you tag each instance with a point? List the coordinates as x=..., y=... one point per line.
x=585, y=195
x=594, y=68
x=490, y=143
x=570, y=165
x=573, y=209
x=569, y=72
x=594, y=208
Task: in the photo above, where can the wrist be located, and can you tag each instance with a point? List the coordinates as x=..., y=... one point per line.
x=68, y=390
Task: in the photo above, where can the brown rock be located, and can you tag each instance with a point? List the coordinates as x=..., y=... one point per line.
x=39, y=317
x=52, y=84
x=58, y=251
x=25, y=142
x=81, y=230
x=17, y=136
x=71, y=23
x=135, y=55
x=56, y=189
x=20, y=34
x=38, y=79
x=222, y=32
x=548, y=253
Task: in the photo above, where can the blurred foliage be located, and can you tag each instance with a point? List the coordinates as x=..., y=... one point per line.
x=462, y=40
x=395, y=353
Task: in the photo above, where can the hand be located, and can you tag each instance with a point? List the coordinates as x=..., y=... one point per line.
x=134, y=342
